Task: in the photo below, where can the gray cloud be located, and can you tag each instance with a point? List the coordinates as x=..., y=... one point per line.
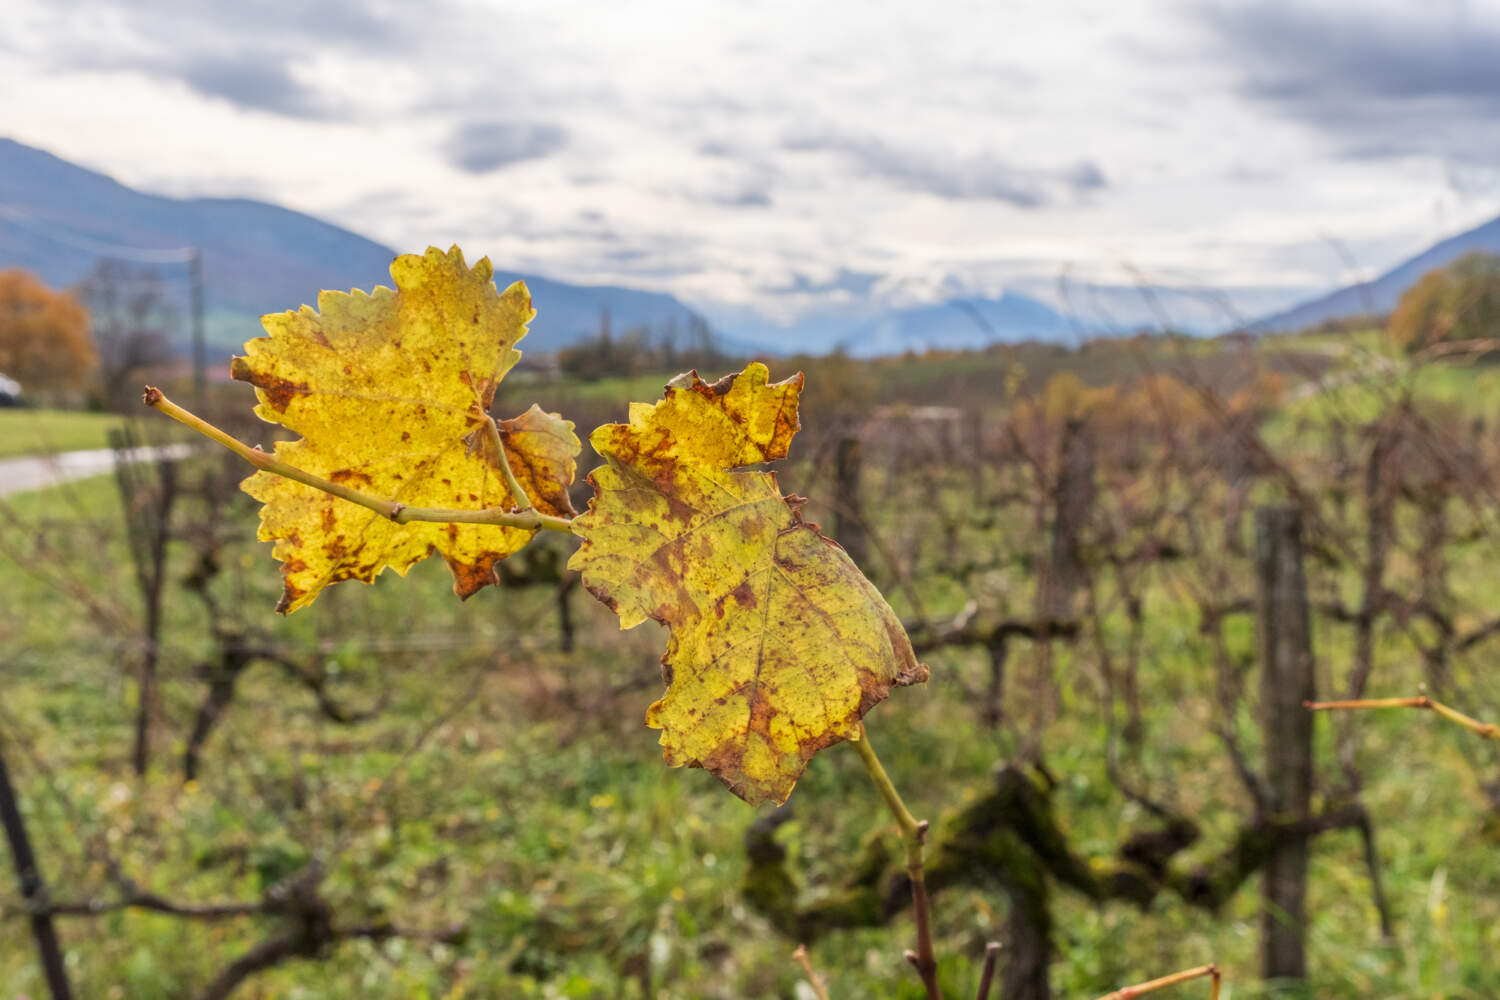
x=236, y=52
x=1084, y=175
x=717, y=148
x=981, y=177
x=254, y=79
x=1310, y=52
x=746, y=197
x=854, y=282
x=256, y=82
x=340, y=23
x=626, y=254
x=1473, y=179
x=1380, y=84
x=481, y=147
x=650, y=262
x=740, y=178
x=754, y=193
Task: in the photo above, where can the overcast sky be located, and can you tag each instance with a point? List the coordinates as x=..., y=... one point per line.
x=793, y=156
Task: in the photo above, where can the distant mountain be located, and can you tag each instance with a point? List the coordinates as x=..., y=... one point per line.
x=56, y=218
x=958, y=324
x=1380, y=295
x=1104, y=309
x=866, y=329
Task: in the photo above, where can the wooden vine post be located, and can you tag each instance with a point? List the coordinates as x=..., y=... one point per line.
x=848, y=517
x=1073, y=495
x=1284, y=632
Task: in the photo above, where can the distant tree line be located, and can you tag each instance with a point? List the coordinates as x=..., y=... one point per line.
x=44, y=336
x=1457, y=303
x=640, y=350
x=93, y=343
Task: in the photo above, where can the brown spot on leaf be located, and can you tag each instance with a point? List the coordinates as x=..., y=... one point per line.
x=470, y=578
x=719, y=388
x=744, y=594
x=279, y=392
x=914, y=674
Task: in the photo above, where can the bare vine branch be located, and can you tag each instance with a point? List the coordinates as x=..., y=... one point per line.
x=1187, y=975
x=1488, y=730
x=813, y=979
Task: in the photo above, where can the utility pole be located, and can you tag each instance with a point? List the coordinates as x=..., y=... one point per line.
x=200, y=360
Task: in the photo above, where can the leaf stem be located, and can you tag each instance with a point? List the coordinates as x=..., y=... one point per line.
x=528, y=519
x=1177, y=977
x=913, y=836
x=523, y=502
x=1488, y=730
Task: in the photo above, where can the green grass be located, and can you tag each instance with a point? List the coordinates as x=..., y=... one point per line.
x=1357, y=395
x=1372, y=341
x=506, y=783
x=45, y=432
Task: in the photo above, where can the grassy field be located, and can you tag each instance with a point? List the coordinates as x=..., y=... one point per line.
x=46, y=432
x=509, y=785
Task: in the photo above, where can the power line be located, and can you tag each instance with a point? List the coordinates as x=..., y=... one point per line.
x=52, y=231
x=191, y=256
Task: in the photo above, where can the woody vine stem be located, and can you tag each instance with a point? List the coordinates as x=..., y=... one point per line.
x=913, y=836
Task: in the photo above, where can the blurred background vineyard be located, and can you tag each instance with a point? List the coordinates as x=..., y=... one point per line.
x=486, y=814
x=1130, y=330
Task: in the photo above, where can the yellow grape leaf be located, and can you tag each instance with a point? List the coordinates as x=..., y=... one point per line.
x=390, y=391
x=778, y=644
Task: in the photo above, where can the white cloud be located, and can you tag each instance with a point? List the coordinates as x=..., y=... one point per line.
x=968, y=146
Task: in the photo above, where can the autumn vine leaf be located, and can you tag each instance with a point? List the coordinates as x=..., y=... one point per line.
x=390, y=391
x=778, y=643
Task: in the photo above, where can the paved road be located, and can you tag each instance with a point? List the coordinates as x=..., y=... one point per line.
x=20, y=475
